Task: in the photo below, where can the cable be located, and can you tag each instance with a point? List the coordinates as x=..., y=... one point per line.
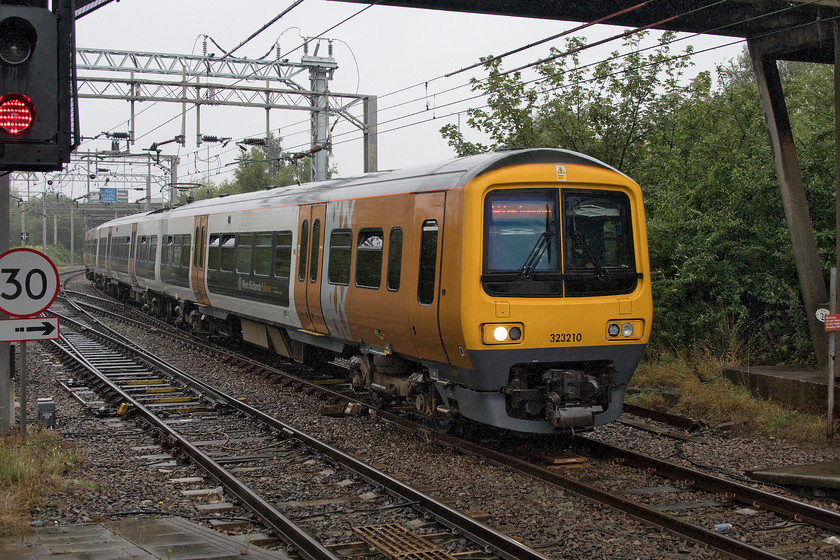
x=263, y=28
x=628, y=33
x=598, y=62
x=547, y=39
x=517, y=50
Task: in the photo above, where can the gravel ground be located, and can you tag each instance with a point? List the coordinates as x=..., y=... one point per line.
x=117, y=484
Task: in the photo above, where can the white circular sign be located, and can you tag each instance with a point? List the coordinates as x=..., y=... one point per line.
x=28, y=282
x=821, y=313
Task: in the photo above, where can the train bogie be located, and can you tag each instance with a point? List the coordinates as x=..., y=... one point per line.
x=511, y=288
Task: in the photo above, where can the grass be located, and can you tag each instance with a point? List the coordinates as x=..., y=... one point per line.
x=31, y=470
x=693, y=385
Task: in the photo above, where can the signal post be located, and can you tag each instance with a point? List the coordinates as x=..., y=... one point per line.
x=39, y=124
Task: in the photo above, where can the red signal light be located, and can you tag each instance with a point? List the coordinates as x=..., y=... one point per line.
x=16, y=113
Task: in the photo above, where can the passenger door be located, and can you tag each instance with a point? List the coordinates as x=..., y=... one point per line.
x=427, y=241
x=199, y=250
x=132, y=254
x=310, y=249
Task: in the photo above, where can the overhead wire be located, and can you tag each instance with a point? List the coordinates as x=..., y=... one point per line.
x=694, y=53
x=484, y=62
x=263, y=28
x=226, y=54
x=581, y=27
x=363, y=10
x=687, y=55
x=588, y=24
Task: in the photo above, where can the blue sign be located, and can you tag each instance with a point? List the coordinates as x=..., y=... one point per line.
x=107, y=195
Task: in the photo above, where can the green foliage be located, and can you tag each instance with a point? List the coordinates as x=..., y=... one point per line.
x=606, y=110
x=723, y=272
x=256, y=170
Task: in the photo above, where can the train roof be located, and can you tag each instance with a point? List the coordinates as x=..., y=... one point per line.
x=439, y=176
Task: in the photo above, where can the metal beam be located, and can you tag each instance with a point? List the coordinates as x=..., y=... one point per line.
x=167, y=64
x=277, y=89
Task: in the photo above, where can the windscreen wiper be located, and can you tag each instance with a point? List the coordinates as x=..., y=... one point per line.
x=539, y=249
x=601, y=273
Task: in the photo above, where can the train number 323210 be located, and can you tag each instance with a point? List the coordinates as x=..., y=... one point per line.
x=563, y=338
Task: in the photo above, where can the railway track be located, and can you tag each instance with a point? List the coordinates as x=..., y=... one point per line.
x=190, y=416
x=724, y=492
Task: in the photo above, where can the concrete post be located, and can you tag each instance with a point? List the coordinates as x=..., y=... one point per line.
x=795, y=203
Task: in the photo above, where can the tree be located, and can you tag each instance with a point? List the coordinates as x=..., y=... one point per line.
x=258, y=169
x=605, y=110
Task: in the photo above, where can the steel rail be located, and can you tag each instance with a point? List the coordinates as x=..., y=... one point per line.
x=507, y=547
x=673, y=524
x=732, y=547
x=732, y=490
x=307, y=545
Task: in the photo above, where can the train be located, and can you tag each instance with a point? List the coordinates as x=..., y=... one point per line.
x=510, y=288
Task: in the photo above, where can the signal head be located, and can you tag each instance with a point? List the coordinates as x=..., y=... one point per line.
x=17, y=40
x=16, y=113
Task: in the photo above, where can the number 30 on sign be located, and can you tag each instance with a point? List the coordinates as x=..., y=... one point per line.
x=28, y=282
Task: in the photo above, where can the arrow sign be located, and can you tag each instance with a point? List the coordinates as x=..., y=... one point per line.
x=38, y=328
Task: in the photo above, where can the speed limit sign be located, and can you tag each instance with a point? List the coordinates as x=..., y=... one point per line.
x=28, y=282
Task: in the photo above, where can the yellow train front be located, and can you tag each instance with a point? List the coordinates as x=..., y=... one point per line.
x=540, y=309
x=555, y=293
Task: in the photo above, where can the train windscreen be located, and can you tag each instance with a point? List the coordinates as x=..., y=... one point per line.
x=533, y=249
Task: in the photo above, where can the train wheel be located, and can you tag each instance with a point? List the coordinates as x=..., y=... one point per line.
x=444, y=424
x=379, y=400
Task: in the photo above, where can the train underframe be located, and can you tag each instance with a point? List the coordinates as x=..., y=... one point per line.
x=544, y=396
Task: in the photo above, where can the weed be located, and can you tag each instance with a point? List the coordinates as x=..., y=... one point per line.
x=30, y=469
x=692, y=384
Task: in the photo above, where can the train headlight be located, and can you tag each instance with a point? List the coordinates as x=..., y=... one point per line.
x=625, y=330
x=507, y=333
x=500, y=334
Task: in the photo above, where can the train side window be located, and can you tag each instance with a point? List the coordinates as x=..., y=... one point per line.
x=168, y=251
x=262, y=254
x=175, y=251
x=304, y=247
x=214, y=252
x=185, y=251
x=203, y=243
x=338, y=270
x=369, y=258
x=428, y=263
x=395, y=243
x=197, y=247
x=227, y=250
x=244, y=251
x=283, y=256
x=313, y=257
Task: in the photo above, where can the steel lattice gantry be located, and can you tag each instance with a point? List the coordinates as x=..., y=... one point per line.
x=200, y=80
